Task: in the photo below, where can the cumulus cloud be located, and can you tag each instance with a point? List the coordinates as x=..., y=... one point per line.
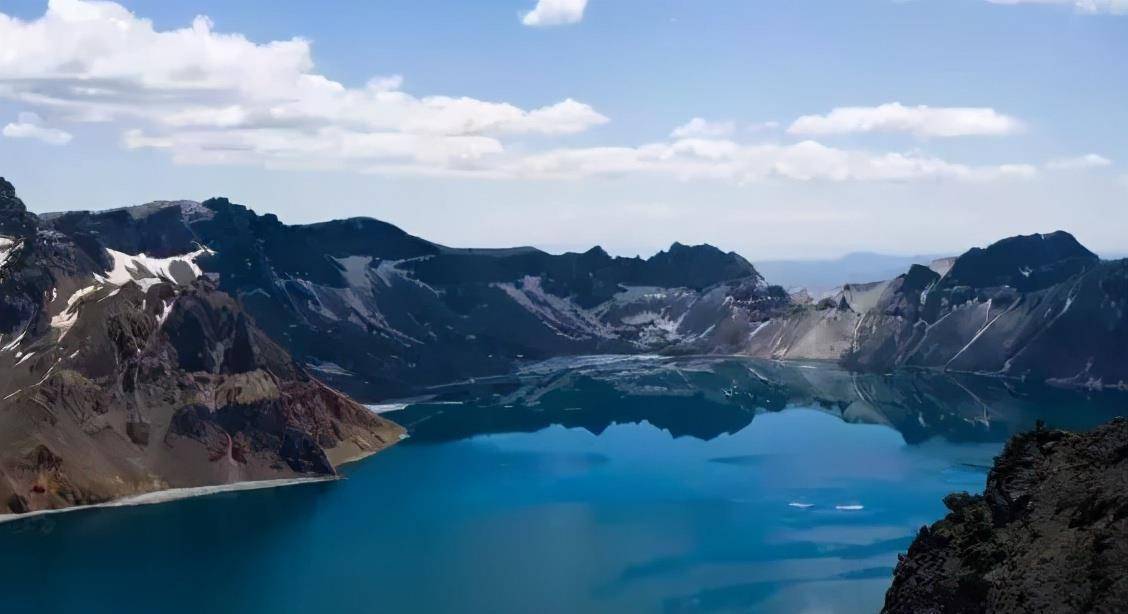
x=695, y=158
x=207, y=95
x=1079, y=162
x=30, y=126
x=555, y=13
x=921, y=121
x=1114, y=7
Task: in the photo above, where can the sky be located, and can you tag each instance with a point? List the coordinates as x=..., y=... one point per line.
x=775, y=128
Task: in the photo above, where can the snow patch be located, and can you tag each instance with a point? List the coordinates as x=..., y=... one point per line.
x=147, y=271
x=7, y=246
x=69, y=315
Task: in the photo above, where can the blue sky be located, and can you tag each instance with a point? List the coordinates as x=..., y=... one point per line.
x=1036, y=92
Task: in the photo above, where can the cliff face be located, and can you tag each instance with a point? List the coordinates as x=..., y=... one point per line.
x=1049, y=534
x=122, y=374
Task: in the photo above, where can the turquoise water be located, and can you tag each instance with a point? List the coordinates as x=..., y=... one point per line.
x=656, y=487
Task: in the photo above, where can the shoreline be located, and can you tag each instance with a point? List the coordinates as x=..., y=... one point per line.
x=173, y=494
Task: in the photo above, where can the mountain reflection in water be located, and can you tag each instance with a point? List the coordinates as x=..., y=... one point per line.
x=724, y=395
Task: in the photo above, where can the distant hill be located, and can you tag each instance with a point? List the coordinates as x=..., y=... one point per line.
x=821, y=276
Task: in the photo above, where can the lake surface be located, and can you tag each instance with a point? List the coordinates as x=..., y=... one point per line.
x=588, y=485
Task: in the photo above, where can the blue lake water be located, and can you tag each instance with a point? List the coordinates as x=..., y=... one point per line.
x=633, y=486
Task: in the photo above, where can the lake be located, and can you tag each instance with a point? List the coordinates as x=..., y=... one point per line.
x=601, y=484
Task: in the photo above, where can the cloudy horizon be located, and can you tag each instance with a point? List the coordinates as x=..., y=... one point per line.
x=565, y=123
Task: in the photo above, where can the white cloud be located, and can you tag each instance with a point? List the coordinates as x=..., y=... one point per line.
x=1114, y=7
x=700, y=127
x=30, y=126
x=1079, y=162
x=922, y=121
x=555, y=13
x=689, y=159
x=207, y=95
x=210, y=98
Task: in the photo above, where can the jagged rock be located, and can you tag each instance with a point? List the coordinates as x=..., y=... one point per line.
x=1049, y=534
x=302, y=453
x=15, y=220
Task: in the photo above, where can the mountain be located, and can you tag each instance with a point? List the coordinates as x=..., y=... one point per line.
x=382, y=313
x=1041, y=307
x=180, y=343
x=1049, y=534
x=123, y=374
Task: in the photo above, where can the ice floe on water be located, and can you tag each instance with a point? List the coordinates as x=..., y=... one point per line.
x=575, y=362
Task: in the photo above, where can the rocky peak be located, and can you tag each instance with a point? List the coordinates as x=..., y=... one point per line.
x=695, y=266
x=1026, y=262
x=8, y=196
x=15, y=220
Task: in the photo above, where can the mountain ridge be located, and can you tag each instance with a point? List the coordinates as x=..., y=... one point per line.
x=125, y=374
x=383, y=313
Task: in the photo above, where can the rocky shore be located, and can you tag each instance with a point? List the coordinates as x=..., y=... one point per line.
x=1049, y=534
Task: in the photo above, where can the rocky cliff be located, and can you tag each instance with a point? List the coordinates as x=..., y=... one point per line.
x=1050, y=533
x=127, y=373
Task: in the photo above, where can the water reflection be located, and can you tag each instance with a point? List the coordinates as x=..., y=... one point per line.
x=707, y=397
x=590, y=485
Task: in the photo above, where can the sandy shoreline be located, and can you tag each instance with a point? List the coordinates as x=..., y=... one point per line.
x=173, y=494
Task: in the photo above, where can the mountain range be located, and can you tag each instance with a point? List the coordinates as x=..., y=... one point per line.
x=180, y=343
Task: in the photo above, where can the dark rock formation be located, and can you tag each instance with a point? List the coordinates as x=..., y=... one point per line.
x=1050, y=533
x=15, y=220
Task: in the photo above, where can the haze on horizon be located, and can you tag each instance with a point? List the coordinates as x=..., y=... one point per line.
x=771, y=129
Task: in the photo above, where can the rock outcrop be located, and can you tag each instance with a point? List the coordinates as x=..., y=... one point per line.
x=123, y=374
x=1049, y=534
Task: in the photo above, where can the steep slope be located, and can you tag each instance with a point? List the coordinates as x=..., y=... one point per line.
x=381, y=313
x=1039, y=306
x=1050, y=534
x=123, y=374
